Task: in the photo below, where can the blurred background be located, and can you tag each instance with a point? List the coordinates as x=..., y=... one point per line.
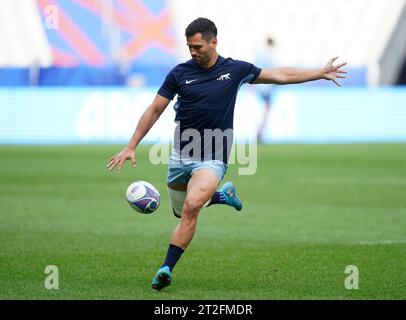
x=83, y=71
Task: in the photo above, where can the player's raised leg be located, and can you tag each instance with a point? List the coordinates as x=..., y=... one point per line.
x=201, y=187
x=226, y=195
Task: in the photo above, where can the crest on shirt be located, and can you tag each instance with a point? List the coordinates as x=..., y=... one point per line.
x=224, y=77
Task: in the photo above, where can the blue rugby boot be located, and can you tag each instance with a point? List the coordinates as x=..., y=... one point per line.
x=232, y=199
x=162, y=279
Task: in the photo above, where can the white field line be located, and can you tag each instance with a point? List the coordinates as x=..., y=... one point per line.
x=382, y=242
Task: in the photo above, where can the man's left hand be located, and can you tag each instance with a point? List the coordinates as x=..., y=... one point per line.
x=332, y=72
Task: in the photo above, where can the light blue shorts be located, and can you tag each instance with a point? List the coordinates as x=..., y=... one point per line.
x=180, y=170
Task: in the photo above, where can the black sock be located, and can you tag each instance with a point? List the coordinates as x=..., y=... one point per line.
x=218, y=198
x=172, y=256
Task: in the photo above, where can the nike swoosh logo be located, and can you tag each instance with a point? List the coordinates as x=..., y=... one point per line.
x=190, y=81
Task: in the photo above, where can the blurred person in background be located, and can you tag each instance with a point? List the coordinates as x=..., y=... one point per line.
x=266, y=59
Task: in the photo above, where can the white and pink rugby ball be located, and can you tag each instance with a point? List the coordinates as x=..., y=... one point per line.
x=143, y=197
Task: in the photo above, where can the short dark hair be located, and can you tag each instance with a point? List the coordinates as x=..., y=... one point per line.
x=204, y=26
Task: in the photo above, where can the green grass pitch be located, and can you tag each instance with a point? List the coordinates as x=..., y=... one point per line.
x=309, y=211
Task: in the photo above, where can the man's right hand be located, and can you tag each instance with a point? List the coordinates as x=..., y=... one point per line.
x=121, y=157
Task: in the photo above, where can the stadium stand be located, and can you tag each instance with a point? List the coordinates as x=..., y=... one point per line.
x=358, y=31
x=393, y=60
x=23, y=40
x=24, y=46
x=137, y=41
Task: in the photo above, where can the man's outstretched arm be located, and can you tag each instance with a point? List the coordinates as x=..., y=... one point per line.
x=147, y=120
x=288, y=75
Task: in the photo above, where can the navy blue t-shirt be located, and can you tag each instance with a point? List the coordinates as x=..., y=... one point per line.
x=205, y=105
